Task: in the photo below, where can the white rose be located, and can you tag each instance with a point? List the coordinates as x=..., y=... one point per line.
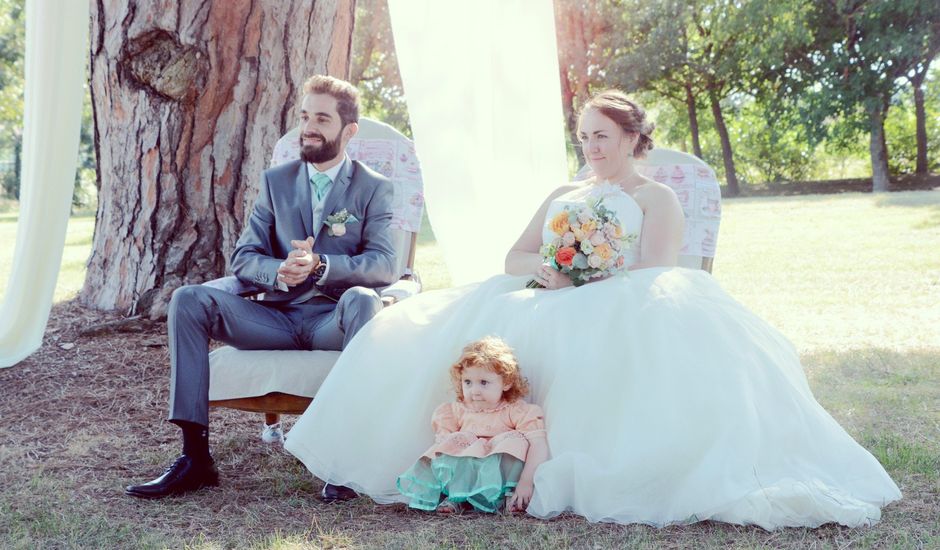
x=339, y=229
x=587, y=247
x=598, y=238
x=568, y=238
x=595, y=261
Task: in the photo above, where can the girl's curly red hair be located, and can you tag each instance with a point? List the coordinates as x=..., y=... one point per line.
x=494, y=355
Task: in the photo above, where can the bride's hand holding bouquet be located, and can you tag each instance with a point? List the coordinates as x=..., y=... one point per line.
x=589, y=245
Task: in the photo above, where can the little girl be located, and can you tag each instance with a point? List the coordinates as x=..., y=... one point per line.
x=488, y=442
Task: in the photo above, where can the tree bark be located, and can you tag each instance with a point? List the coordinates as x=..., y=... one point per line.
x=730, y=173
x=189, y=99
x=921, y=120
x=693, y=120
x=879, y=151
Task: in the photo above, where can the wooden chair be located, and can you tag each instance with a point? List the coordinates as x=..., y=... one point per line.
x=696, y=185
x=276, y=382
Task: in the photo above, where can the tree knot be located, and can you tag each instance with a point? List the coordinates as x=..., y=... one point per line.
x=158, y=62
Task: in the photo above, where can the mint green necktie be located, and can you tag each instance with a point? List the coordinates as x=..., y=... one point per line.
x=320, y=182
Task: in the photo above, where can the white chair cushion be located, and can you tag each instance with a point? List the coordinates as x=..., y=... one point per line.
x=235, y=373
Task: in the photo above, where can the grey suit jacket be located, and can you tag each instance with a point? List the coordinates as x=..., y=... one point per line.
x=364, y=256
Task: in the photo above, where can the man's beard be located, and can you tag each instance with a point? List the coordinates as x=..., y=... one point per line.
x=315, y=154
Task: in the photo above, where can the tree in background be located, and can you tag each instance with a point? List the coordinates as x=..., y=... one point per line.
x=712, y=51
x=188, y=103
x=587, y=40
x=912, y=127
x=374, y=66
x=12, y=52
x=12, y=44
x=653, y=55
x=921, y=56
x=862, y=51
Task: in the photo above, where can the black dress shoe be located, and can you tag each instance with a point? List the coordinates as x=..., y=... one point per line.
x=183, y=476
x=337, y=493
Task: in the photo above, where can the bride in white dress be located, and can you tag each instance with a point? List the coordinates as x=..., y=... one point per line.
x=666, y=401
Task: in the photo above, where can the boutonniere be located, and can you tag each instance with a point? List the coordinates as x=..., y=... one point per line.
x=337, y=222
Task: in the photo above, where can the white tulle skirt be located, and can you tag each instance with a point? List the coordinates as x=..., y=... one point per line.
x=666, y=401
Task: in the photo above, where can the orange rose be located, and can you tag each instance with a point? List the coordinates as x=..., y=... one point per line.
x=565, y=255
x=559, y=224
x=604, y=251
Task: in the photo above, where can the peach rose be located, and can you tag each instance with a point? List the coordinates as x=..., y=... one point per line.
x=604, y=251
x=559, y=224
x=589, y=227
x=564, y=255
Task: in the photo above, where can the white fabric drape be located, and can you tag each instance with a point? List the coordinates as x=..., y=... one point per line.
x=484, y=98
x=56, y=49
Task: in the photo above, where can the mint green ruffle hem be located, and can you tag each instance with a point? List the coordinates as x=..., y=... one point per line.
x=483, y=482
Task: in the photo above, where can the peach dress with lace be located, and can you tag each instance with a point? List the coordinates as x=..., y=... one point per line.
x=477, y=456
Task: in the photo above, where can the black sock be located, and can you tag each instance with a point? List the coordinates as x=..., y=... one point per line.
x=195, y=440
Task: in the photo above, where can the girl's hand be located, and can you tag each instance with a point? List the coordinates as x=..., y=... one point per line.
x=520, y=497
x=551, y=278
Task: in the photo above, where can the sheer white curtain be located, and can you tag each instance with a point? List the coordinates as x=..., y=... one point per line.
x=56, y=49
x=484, y=98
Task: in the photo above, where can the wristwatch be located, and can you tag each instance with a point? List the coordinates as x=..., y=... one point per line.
x=320, y=269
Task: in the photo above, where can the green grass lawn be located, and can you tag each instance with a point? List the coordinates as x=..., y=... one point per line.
x=74, y=256
x=853, y=280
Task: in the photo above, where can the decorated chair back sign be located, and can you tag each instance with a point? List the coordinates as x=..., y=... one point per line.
x=696, y=186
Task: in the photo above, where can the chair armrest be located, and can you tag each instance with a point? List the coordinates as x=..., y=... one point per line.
x=233, y=285
x=398, y=291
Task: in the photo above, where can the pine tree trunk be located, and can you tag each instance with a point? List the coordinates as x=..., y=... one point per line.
x=189, y=99
x=879, y=151
x=730, y=174
x=693, y=120
x=921, y=116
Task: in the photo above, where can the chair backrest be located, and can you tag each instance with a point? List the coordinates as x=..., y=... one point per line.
x=696, y=186
x=390, y=153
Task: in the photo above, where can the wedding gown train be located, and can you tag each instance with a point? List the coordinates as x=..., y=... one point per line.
x=666, y=401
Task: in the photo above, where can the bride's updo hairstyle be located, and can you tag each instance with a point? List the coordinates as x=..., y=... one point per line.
x=631, y=118
x=494, y=355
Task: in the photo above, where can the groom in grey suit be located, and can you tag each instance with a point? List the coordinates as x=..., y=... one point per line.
x=318, y=243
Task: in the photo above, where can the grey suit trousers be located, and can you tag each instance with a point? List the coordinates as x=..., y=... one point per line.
x=198, y=313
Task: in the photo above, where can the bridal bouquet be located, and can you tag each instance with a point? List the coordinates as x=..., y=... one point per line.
x=589, y=243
